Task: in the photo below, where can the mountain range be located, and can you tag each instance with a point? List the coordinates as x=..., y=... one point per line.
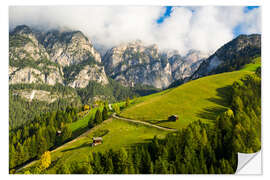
x=70, y=59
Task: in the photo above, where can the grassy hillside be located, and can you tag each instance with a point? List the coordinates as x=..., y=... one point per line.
x=252, y=66
x=191, y=101
x=201, y=99
x=119, y=134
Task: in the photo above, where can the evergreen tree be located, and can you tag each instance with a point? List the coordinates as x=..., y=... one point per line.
x=127, y=102
x=20, y=153
x=41, y=146
x=98, y=117
x=66, y=133
x=12, y=156
x=122, y=162
x=105, y=113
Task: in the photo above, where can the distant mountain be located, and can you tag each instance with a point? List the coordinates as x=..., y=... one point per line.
x=69, y=58
x=66, y=57
x=231, y=56
x=135, y=63
x=29, y=61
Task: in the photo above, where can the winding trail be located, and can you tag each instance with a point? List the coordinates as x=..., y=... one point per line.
x=67, y=143
x=92, y=129
x=142, y=122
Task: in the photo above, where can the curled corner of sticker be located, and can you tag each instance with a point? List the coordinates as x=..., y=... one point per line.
x=249, y=163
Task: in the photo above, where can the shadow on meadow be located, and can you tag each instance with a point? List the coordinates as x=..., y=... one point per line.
x=86, y=144
x=223, y=100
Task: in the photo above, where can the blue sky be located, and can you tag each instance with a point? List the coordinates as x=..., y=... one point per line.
x=236, y=31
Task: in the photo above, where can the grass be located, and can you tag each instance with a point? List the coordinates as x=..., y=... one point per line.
x=83, y=122
x=199, y=99
x=252, y=66
x=119, y=134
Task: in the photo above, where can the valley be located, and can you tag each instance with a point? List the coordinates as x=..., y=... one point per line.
x=137, y=129
x=63, y=93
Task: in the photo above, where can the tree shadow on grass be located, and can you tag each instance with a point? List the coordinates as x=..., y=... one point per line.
x=79, y=131
x=86, y=144
x=223, y=96
x=159, y=121
x=223, y=100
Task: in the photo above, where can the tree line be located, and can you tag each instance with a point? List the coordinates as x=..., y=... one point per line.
x=33, y=138
x=200, y=148
x=46, y=132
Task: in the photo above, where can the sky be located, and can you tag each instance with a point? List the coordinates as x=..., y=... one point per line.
x=204, y=28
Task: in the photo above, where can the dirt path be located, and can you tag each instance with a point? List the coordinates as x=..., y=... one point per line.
x=64, y=145
x=94, y=128
x=143, y=122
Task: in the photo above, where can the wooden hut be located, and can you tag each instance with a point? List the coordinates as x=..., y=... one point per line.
x=58, y=133
x=97, y=141
x=173, y=118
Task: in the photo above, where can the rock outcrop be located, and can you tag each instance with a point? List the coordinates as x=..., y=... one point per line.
x=43, y=57
x=29, y=60
x=71, y=47
x=87, y=74
x=230, y=56
x=136, y=63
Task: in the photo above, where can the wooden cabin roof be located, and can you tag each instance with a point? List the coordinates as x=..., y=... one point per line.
x=97, y=138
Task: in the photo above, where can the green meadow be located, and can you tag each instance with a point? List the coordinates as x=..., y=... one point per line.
x=199, y=99
x=119, y=134
x=252, y=66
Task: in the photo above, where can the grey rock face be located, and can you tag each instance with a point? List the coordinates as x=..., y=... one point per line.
x=183, y=67
x=89, y=73
x=38, y=57
x=134, y=63
x=242, y=47
x=67, y=48
x=29, y=60
x=26, y=75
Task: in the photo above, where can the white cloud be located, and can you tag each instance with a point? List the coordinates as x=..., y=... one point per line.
x=252, y=22
x=202, y=28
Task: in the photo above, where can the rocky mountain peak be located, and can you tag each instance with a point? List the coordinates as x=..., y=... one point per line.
x=69, y=47
x=231, y=56
x=22, y=29
x=138, y=63
x=41, y=57
x=239, y=44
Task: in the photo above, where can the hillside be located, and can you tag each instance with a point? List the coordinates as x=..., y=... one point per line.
x=197, y=99
x=118, y=133
x=232, y=56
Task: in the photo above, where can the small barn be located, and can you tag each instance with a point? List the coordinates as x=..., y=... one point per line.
x=173, y=118
x=97, y=141
x=58, y=133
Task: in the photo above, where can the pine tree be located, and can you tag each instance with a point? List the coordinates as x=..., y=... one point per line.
x=41, y=146
x=127, y=102
x=105, y=113
x=20, y=153
x=63, y=169
x=122, y=161
x=204, y=138
x=12, y=156
x=66, y=133
x=109, y=164
x=98, y=117
x=211, y=170
x=160, y=166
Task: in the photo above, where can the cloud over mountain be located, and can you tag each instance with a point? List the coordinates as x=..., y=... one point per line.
x=202, y=28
